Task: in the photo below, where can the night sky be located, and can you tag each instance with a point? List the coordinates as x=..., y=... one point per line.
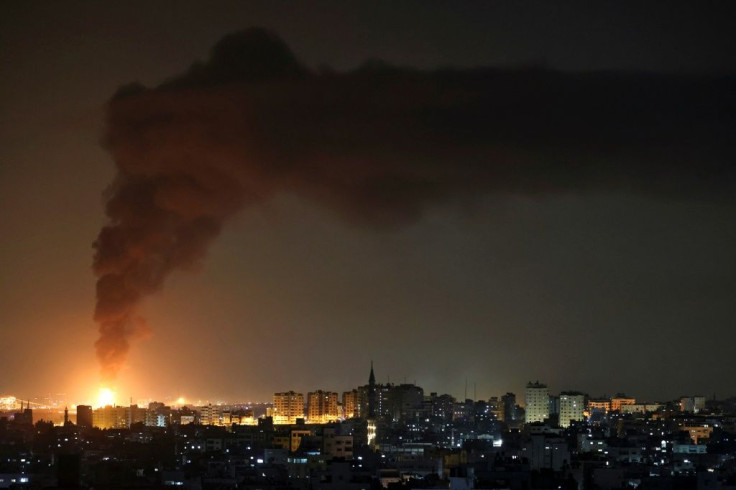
x=475, y=194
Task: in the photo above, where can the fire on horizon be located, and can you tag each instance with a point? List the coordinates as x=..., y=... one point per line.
x=105, y=397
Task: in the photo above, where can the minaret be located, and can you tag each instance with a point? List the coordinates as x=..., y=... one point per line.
x=371, y=419
x=66, y=416
x=372, y=394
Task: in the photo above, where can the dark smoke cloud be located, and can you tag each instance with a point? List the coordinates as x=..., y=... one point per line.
x=375, y=145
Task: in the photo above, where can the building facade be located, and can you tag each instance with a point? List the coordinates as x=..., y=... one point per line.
x=692, y=404
x=322, y=407
x=599, y=405
x=84, y=416
x=572, y=405
x=508, y=405
x=351, y=404
x=620, y=400
x=287, y=407
x=537, y=402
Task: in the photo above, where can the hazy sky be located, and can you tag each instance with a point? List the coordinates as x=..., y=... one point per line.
x=594, y=288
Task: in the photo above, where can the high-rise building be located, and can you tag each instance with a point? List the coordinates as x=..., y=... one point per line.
x=443, y=406
x=111, y=417
x=322, y=407
x=572, y=405
x=463, y=410
x=537, y=402
x=351, y=404
x=287, y=407
x=495, y=408
x=404, y=401
x=210, y=415
x=508, y=408
x=84, y=416
x=116, y=417
x=157, y=415
x=554, y=406
x=154, y=419
x=136, y=415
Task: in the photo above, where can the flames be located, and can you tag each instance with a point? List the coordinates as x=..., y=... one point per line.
x=105, y=397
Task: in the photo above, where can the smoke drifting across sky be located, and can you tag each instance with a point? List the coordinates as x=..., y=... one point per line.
x=375, y=146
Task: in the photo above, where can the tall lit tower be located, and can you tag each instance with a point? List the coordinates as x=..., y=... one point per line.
x=537, y=402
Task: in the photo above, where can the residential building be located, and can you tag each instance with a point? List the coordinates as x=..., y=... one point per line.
x=537, y=402
x=322, y=407
x=572, y=404
x=287, y=407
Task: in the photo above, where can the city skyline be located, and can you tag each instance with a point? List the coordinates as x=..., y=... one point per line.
x=599, y=260
x=381, y=437
x=105, y=397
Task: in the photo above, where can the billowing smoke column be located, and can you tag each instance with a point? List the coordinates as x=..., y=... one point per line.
x=375, y=145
